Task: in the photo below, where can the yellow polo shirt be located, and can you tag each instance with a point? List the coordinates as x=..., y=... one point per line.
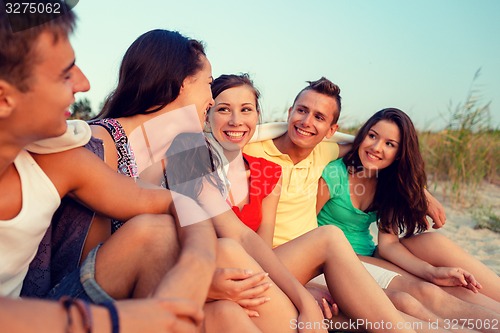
x=296, y=212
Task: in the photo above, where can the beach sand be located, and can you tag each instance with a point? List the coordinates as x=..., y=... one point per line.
x=461, y=219
x=483, y=244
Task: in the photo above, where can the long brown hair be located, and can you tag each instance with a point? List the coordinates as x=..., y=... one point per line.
x=152, y=72
x=399, y=201
x=191, y=159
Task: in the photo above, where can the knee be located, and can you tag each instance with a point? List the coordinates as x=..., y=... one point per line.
x=330, y=233
x=231, y=254
x=229, y=248
x=148, y=230
x=404, y=302
x=329, y=236
x=223, y=313
x=427, y=239
x=428, y=291
x=222, y=308
x=434, y=236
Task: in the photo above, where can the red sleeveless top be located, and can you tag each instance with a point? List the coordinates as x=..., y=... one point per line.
x=264, y=175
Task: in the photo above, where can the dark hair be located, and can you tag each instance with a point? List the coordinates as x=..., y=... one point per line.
x=19, y=34
x=399, y=200
x=327, y=88
x=152, y=72
x=190, y=159
x=227, y=81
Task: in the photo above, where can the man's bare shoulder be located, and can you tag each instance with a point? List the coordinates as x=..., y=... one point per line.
x=68, y=168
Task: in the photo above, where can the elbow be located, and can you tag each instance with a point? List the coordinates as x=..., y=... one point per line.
x=383, y=251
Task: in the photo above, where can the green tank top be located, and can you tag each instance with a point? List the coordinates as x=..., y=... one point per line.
x=340, y=212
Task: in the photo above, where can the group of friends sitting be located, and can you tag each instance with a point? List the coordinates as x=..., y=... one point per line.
x=173, y=210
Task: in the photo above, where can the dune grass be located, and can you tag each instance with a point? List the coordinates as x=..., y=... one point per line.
x=463, y=155
x=467, y=151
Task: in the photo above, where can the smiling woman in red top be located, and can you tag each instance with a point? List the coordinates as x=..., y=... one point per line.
x=253, y=187
x=254, y=184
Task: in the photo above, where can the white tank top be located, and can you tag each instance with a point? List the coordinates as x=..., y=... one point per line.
x=20, y=236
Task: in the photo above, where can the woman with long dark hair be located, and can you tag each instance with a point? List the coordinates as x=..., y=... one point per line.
x=382, y=179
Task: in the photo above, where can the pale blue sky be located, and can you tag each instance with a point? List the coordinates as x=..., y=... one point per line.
x=414, y=55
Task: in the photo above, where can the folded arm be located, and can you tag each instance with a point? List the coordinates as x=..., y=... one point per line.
x=83, y=175
x=391, y=249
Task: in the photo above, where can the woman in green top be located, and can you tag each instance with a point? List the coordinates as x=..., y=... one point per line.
x=382, y=179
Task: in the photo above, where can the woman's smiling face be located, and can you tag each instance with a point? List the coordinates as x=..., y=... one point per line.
x=234, y=117
x=380, y=147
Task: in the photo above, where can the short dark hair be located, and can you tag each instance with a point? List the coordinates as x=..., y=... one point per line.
x=327, y=88
x=17, y=51
x=152, y=72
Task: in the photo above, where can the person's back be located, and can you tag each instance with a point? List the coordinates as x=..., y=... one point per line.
x=28, y=198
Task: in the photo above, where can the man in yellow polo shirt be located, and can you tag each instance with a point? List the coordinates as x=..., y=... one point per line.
x=302, y=156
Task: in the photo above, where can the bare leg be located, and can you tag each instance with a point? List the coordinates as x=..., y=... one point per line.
x=421, y=317
x=274, y=315
x=326, y=250
x=459, y=292
x=341, y=323
x=470, y=297
x=442, y=303
x=450, y=254
x=132, y=261
x=423, y=326
x=227, y=317
x=408, y=304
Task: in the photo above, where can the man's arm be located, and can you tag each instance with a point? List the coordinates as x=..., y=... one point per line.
x=344, y=149
x=145, y=315
x=84, y=176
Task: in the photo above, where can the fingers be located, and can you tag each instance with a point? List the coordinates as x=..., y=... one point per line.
x=252, y=302
x=251, y=313
x=442, y=216
x=335, y=309
x=254, y=282
x=238, y=284
x=457, y=273
x=329, y=310
x=250, y=292
x=439, y=219
x=472, y=284
x=472, y=288
x=234, y=273
x=472, y=280
x=466, y=279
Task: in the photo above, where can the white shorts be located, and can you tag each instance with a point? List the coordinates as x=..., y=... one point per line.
x=381, y=275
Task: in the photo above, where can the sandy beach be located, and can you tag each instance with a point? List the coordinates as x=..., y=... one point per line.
x=484, y=244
